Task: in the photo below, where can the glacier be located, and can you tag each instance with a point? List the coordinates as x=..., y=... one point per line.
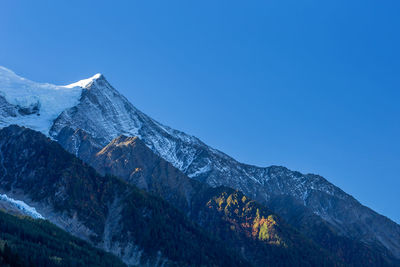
x=21, y=206
x=35, y=105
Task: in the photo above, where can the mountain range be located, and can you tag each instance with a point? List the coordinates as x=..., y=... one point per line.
x=269, y=215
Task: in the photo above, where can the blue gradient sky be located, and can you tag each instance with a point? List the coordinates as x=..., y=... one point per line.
x=311, y=85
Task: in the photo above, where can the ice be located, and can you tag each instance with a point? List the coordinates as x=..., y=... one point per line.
x=37, y=104
x=22, y=206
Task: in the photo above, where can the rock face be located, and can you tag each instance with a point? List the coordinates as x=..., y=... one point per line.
x=130, y=159
x=139, y=228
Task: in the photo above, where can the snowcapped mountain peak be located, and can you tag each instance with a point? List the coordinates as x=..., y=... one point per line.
x=31, y=104
x=87, y=115
x=85, y=83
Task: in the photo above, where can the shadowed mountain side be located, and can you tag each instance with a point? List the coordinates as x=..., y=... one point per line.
x=130, y=159
x=249, y=227
x=140, y=228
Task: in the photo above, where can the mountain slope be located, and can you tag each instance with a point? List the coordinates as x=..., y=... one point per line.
x=103, y=113
x=130, y=159
x=139, y=228
x=225, y=212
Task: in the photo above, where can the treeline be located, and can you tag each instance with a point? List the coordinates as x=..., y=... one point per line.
x=28, y=242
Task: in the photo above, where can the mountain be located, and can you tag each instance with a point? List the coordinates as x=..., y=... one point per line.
x=130, y=159
x=28, y=242
x=139, y=228
x=89, y=122
x=261, y=236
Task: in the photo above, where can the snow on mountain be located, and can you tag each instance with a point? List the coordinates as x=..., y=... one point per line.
x=21, y=206
x=34, y=105
x=105, y=114
x=101, y=113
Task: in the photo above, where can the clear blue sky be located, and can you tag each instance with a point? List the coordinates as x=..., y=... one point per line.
x=312, y=85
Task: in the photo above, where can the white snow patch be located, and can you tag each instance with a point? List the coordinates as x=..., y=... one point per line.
x=85, y=82
x=48, y=100
x=201, y=170
x=22, y=206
